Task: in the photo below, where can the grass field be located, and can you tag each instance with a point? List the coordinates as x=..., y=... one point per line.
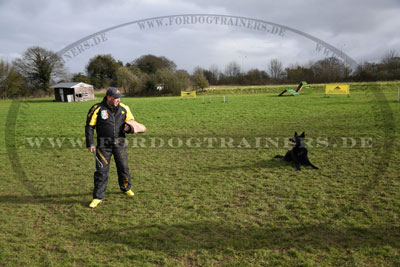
x=201, y=201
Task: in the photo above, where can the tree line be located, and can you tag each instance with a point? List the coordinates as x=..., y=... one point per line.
x=38, y=68
x=146, y=75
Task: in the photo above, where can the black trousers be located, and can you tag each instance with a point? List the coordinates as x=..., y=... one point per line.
x=103, y=157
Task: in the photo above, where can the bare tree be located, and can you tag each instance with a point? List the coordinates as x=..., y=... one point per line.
x=215, y=71
x=390, y=66
x=275, y=69
x=389, y=57
x=39, y=66
x=232, y=69
x=330, y=70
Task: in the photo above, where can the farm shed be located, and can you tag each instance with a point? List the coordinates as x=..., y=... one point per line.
x=73, y=92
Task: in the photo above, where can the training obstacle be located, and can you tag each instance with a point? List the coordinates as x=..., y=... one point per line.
x=296, y=92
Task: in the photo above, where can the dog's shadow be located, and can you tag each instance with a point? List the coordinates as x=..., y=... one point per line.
x=261, y=164
x=272, y=163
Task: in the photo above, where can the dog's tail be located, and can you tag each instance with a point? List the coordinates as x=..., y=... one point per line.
x=314, y=167
x=279, y=157
x=310, y=164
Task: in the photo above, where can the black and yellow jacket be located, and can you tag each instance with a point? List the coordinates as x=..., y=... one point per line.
x=109, y=123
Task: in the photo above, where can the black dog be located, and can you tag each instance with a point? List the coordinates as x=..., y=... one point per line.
x=299, y=152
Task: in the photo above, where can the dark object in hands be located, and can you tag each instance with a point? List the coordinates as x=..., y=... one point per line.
x=129, y=129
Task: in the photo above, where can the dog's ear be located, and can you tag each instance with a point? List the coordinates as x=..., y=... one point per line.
x=302, y=135
x=295, y=134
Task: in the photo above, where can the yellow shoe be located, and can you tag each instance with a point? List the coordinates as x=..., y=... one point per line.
x=129, y=193
x=95, y=202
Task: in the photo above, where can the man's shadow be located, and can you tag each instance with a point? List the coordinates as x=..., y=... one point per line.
x=53, y=199
x=205, y=235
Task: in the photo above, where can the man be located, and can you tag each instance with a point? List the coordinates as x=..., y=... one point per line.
x=112, y=120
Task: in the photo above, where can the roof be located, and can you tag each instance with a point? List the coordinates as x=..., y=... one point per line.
x=70, y=85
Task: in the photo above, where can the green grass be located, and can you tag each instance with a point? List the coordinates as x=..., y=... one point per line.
x=208, y=206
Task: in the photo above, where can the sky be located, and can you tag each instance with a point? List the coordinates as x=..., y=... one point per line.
x=365, y=30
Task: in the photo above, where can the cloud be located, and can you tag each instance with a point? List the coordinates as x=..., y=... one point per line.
x=364, y=29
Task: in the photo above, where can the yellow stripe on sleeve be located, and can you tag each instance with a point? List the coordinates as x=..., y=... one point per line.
x=93, y=120
x=129, y=115
x=92, y=110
